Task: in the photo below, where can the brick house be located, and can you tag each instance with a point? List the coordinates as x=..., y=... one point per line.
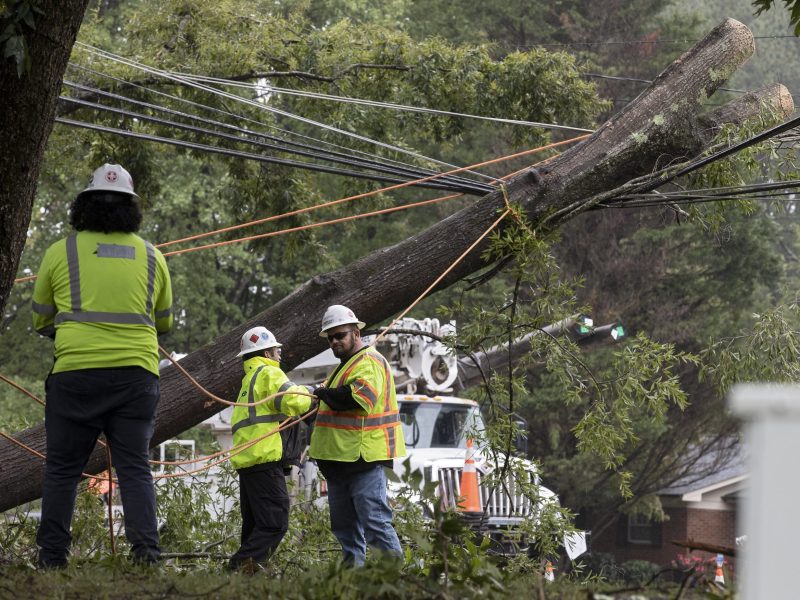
x=702, y=509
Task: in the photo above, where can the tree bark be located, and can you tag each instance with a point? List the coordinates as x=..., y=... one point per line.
x=661, y=126
x=26, y=121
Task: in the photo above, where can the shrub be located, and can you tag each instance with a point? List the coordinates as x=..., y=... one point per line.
x=639, y=571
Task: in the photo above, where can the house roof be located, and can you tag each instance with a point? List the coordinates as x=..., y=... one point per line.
x=705, y=477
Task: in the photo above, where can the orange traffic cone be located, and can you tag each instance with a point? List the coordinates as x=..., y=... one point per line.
x=718, y=576
x=548, y=572
x=471, y=501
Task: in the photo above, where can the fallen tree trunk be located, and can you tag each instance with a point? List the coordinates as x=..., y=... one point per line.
x=660, y=127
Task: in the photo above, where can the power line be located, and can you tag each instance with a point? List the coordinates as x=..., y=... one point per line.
x=759, y=191
x=347, y=151
x=260, y=105
x=460, y=184
x=374, y=103
x=635, y=42
x=239, y=154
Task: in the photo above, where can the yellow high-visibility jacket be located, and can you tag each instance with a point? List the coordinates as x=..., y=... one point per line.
x=104, y=296
x=373, y=432
x=263, y=377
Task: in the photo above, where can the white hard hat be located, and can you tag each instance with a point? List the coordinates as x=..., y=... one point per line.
x=111, y=178
x=257, y=338
x=336, y=315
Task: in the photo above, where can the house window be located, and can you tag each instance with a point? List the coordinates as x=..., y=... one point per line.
x=642, y=530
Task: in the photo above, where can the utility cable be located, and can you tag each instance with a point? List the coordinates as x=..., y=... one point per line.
x=391, y=105
x=648, y=81
x=474, y=188
x=707, y=160
x=262, y=106
x=239, y=154
x=287, y=147
x=346, y=151
x=645, y=42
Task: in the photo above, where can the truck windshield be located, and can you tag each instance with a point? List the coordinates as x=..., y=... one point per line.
x=429, y=425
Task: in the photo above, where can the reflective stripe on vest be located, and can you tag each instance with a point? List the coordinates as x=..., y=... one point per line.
x=43, y=309
x=88, y=316
x=338, y=420
x=252, y=417
x=279, y=399
x=384, y=416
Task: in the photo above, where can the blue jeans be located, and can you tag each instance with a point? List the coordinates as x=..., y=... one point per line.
x=360, y=514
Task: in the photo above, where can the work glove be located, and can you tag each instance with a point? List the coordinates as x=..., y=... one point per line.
x=322, y=393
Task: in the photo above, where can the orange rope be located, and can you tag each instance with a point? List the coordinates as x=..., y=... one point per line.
x=374, y=192
x=509, y=210
x=22, y=389
x=222, y=400
x=231, y=452
x=152, y=462
x=238, y=449
x=347, y=199
x=39, y=454
x=442, y=276
x=312, y=225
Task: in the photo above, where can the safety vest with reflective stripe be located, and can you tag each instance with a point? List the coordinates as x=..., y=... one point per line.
x=104, y=296
x=263, y=377
x=373, y=432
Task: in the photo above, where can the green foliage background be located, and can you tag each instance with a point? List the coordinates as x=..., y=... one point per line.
x=704, y=295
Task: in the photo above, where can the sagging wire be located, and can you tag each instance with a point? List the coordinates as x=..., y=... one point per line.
x=260, y=105
x=346, y=150
x=333, y=202
x=228, y=152
x=301, y=150
x=374, y=103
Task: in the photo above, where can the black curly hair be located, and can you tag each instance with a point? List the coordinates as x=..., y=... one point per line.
x=105, y=211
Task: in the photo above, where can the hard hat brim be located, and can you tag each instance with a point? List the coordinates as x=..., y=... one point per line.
x=104, y=188
x=243, y=352
x=324, y=332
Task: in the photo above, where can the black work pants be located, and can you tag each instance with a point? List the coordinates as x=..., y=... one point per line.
x=265, y=512
x=121, y=403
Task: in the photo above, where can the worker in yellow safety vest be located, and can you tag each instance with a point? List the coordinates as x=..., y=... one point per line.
x=264, y=500
x=103, y=293
x=356, y=436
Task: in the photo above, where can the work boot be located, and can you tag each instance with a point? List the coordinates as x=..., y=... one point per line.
x=246, y=566
x=149, y=559
x=51, y=561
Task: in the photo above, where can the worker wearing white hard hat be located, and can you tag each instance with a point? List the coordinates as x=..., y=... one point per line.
x=111, y=178
x=264, y=500
x=337, y=315
x=103, y=293
x=356, y=436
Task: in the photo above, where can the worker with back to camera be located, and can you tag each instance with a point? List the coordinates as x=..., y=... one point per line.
x=103, y=293
x=263, y=496
x=356, y=435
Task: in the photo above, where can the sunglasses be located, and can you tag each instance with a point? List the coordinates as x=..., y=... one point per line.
x=338, y=336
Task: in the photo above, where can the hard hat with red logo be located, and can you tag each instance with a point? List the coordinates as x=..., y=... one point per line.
x=338, y=315
x=257, y=338
x=111, y=178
